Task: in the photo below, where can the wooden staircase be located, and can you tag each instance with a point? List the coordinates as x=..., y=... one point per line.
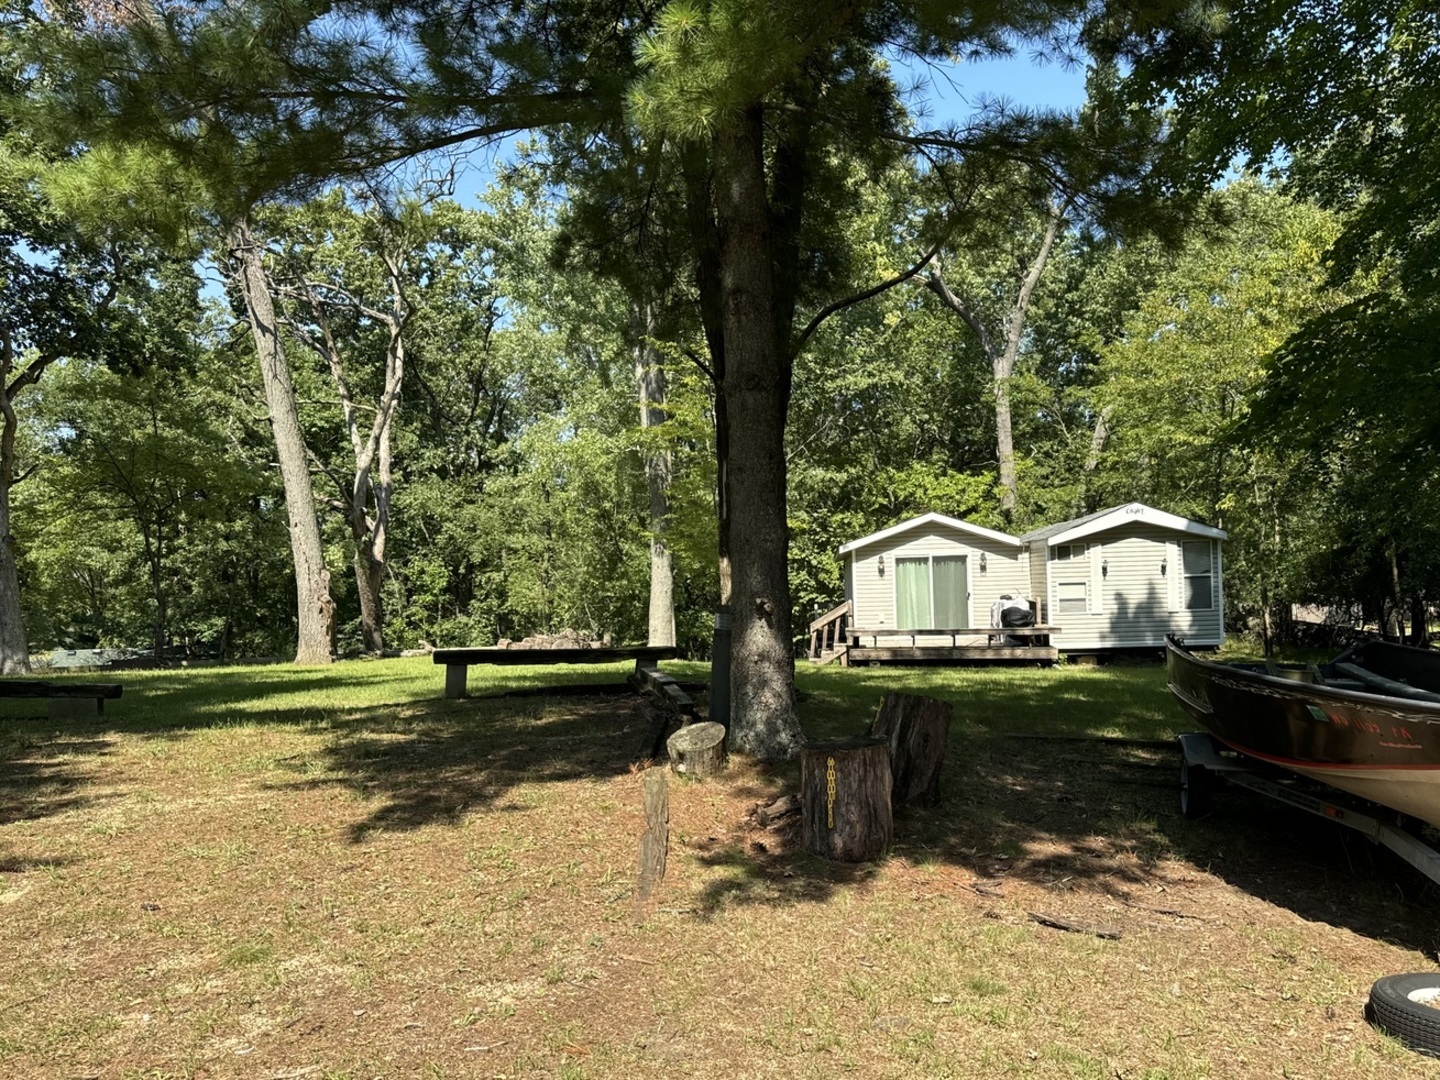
x=828, y=641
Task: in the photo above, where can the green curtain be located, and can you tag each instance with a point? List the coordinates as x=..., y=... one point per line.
x=912, y=594
x=952, y=586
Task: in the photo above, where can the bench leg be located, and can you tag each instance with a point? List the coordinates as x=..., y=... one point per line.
x=76, y=708
x=455, y=680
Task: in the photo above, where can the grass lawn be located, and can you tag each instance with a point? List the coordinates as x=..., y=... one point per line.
x=289, y=873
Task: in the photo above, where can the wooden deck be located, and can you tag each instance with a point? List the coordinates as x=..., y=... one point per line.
x=949, y=654
x=985, y=644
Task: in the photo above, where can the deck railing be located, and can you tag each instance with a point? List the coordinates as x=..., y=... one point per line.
x=827, y=633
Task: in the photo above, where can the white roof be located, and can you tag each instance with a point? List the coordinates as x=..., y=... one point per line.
x=931, y=519
x=1132, y=514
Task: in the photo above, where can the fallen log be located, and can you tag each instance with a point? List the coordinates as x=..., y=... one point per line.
x=655, y=841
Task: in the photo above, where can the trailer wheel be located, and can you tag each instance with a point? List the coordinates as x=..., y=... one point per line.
x=1408, y=1008
x=1197, y=786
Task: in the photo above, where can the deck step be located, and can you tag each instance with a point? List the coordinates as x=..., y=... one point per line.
x=831, y=656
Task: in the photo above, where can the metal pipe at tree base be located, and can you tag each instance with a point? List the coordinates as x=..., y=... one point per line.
x=720, y=669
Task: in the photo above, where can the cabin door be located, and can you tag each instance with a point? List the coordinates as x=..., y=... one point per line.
x=912, y=594
x=952, y=592
x=932, y=593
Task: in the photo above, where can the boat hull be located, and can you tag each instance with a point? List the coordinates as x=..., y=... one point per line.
x=1381, y=748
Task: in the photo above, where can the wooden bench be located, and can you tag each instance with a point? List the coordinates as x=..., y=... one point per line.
x=457, y=661
x=875, y=633
x=67, y=700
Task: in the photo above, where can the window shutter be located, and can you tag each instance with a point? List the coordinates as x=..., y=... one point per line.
x=1174, y=573
x=1097, y=580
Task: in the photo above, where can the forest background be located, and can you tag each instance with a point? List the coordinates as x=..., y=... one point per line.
x=507, y=404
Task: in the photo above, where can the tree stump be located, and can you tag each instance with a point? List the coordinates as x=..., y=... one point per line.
x=845, y=795
x=915, y=730
x=698, y=750
x=655, y=841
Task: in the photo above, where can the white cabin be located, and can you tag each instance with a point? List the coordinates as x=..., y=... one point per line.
x=931, y=572
x=1124, y=577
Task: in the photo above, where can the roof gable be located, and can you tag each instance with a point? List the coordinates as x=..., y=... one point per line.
x=931, y=519
x=1129, y=514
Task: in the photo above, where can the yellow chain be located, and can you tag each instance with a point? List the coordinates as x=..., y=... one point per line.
x=830, y=792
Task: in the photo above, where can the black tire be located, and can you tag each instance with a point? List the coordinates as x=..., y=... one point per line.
x=1197, y=788
x=1397, y=1007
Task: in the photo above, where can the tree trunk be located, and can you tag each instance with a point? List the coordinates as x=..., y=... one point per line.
x=14, y=642
x=1004, y=352
x=14, y=648
x=316, y=608
x=1419, y=623
x=1397, y=596
x=1098, y=438
x=369, y=576
x=154, y=554
x=756, y=389
x=1005, y=438
x=659, y=467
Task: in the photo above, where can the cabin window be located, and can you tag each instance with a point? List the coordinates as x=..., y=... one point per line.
x=1067, y=552
x=1072, y=597
x=1199, y=590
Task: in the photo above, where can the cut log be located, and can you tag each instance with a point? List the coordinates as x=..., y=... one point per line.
x=698, y=750
x=655, y=842
x=845, y=795
x=915, y=730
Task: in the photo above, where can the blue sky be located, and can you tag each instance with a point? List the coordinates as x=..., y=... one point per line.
x=1016, y=79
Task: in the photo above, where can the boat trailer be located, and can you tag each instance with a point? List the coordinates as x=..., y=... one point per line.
x=1203, y=759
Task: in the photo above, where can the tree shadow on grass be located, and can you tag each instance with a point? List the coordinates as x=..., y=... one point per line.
x=432, y=763
x=42, y=776
x=1093, y=823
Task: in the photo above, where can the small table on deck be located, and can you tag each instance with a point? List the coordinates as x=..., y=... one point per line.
x=457, y=661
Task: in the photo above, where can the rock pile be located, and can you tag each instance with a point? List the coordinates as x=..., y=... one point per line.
x=565, y=639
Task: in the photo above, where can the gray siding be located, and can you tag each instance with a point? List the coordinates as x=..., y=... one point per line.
x=1036, y=570
x=874, y=593
x=1137, y=605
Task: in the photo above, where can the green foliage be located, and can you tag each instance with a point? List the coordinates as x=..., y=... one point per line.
x=150, y=516
x=1180, y=384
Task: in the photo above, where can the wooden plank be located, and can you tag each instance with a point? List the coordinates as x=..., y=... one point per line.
x=969, y=631
x=41, y=688
x=842, y=608
x=543, y=657
x=650, y=679
x=859, y=654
